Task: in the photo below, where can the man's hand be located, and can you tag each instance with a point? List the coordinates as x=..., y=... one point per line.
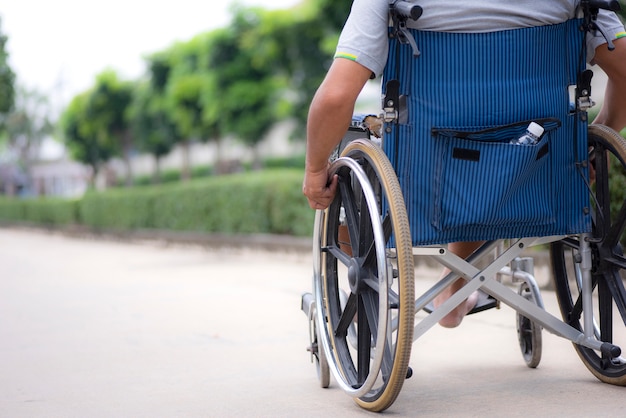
x=319, y=189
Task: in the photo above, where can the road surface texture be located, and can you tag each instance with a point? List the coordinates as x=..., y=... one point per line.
x=104, y=328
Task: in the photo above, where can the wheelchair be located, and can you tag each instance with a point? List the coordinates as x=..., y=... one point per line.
x=393, y=208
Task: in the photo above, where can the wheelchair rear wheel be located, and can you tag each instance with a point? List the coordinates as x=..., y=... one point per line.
x=607, y=155
x=363, y=278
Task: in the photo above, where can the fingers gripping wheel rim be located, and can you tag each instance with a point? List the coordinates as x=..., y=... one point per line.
x=375, y=270
x=607, y=156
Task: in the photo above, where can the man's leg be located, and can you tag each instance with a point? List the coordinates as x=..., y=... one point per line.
x=454, y=318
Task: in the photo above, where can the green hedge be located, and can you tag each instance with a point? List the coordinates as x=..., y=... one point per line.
x=39, y=211
x=268, y=202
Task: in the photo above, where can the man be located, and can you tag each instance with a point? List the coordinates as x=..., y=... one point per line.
x=361, y=55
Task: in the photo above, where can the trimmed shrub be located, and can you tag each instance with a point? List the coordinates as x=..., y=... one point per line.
x=118, y=209
x=52, y=211
x=265, y=202
x=39, y=211
x=11, y=209
x=237, y=204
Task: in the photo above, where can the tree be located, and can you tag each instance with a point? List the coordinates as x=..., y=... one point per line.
x=245, y=85
x=300, y=43
x=27, y=125
x=184, y=91
x=151, y=125
x=107, y=119
x=239, y=80
x=80, y=136
x=7, y=81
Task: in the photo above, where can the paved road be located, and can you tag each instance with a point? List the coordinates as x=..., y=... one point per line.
x=94, y=328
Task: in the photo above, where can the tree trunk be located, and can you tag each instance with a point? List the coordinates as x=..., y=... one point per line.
x=185, y=173
x=218, y=153
x=156, y=176
x=127, y=149
x=94, y=175
x=257, y=162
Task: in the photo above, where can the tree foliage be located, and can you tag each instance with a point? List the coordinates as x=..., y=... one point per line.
x=7, y=81
x=81, y=137
x=107, y=116
x=246, y=76
x=151, y=125
x=27, y=125
x=237, y=81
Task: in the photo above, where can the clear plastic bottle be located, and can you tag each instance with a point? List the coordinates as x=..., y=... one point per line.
x=531, y=136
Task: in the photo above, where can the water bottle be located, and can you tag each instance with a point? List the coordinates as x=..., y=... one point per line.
x=531, y=136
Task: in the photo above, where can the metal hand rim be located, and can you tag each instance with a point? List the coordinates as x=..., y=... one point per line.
x=379, y=240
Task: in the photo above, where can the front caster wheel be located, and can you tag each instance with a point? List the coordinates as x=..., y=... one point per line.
x=528, y=332
x=318, y=357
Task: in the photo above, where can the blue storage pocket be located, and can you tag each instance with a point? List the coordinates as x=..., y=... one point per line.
x=481, y=179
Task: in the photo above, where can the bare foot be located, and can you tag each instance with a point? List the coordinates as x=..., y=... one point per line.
x=455, y=317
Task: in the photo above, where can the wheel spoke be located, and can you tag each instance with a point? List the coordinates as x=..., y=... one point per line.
x=347, y=316
x=370, y=258
x=351, y=209
x=616, y=230
x=366, y=233
x=370, y=308
x=618, y=294
x=338, y=254
x=364, y=332
x=616, y=262
x=370, y=299
x=605, y=305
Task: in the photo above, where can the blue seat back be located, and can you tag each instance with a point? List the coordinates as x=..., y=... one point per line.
x=467, y=95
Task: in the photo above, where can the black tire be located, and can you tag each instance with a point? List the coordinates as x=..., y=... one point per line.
x=529, y=333
x=321, y=363
x=607, y=151
x=369, y=334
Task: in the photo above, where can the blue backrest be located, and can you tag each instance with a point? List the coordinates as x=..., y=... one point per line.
x=467, y=96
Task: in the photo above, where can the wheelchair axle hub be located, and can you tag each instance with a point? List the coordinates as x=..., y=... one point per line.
x=354, y=275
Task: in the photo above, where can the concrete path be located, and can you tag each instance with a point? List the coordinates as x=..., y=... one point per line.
x=96, y=328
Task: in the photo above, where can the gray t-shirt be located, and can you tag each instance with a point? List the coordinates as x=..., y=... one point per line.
x=364, y=36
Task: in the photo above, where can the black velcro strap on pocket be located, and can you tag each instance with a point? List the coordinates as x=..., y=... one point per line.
x=543, y=151
x=466, y=154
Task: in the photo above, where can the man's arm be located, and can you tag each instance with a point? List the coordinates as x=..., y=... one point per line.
x=329, y=118
x=613, y=63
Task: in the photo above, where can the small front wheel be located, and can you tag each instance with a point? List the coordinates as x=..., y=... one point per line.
x=321, y=363
x=528, y=332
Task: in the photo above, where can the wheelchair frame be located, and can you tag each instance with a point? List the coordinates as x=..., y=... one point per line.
x=363, y=336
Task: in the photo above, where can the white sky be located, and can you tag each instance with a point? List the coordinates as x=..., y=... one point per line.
x=58, y=46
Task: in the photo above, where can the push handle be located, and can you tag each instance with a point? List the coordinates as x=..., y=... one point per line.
x=408, y=10
x=400, y=12
x=612, y=5
x=591, y=8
